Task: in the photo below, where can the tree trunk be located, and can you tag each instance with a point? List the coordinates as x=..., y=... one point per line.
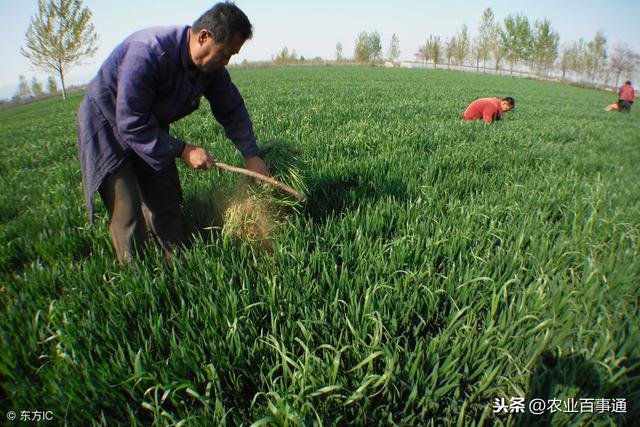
x=64, y=90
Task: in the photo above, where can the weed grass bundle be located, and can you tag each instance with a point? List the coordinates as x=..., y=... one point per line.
x=256, y=211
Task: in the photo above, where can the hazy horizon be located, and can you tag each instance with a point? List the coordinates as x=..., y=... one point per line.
x=313, y=29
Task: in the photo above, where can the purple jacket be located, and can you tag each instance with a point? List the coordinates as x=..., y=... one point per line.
x=147, y=83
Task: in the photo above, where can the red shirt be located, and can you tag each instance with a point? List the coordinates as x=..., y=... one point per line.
x=488, y=109
x=626, y=93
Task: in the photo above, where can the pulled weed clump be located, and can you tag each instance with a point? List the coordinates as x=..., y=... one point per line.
x=250, y=219
x=254, y=213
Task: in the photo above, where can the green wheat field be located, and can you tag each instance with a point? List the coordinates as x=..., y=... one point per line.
x=437, y=266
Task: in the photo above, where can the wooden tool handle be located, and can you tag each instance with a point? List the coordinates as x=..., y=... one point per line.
x=261, y=177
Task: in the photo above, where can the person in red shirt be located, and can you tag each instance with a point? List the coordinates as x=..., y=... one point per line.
x=488, y=109
x=627, y=96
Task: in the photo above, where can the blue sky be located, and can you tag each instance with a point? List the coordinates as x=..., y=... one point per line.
x=312, y=28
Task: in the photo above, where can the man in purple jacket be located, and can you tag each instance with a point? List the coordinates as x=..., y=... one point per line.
x=153, y=78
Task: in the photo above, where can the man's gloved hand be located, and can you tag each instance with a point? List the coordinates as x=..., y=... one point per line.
x=196, y=157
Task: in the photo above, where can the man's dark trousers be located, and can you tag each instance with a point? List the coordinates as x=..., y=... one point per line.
x=136, y=194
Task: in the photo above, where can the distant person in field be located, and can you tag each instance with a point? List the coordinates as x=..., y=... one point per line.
x=155, y=77
x=488, y=109
x=625, y=101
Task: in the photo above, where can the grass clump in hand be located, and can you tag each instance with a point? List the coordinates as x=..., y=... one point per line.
x=256, y=211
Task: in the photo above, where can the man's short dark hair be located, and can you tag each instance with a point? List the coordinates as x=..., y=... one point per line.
x=224, y=21
x=511, y=101
x=628, y=82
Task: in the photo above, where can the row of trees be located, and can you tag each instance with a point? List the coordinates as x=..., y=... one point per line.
x=35, y=89
x=591, y=60
x=368, y=48
x=286, y=56
x=514, y=44
x=533, y=48
x=61, y=35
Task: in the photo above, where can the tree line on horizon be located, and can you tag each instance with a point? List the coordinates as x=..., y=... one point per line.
x=34, y=88
x=60, y=35
x=515, y=44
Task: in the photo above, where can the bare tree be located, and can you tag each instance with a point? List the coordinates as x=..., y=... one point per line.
x=59, y=36
x=423, y=54
x=339, y=55
x=623, y=60
x=564, y=60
